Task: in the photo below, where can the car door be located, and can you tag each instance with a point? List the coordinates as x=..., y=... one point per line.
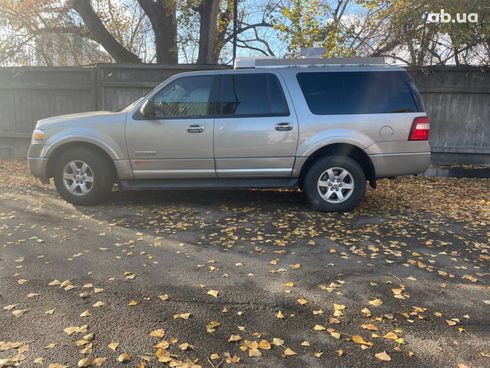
x=255, y=132
x=178, y=141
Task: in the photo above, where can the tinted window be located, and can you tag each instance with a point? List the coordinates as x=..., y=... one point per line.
x=252, y=95
x=185, y=97
x=330, y=93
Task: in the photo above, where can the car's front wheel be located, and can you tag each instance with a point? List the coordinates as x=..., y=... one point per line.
x=335, y=184
x=83, y=177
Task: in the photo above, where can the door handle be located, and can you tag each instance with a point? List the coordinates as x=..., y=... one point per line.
x=195, y=128
x=282, y=127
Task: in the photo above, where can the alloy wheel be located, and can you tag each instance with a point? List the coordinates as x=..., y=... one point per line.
x=335, y=185
x=78, y=177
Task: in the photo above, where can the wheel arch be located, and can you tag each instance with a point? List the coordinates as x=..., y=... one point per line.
x=342, y=149
x=79, y=144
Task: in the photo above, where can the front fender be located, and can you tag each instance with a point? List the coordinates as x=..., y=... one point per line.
x=85, y=135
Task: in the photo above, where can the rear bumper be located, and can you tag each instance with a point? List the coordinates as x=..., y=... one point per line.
x=396, y=164
x=38, y=167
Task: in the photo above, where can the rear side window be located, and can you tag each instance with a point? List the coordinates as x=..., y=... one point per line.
x=330, y=93
x=251, y=95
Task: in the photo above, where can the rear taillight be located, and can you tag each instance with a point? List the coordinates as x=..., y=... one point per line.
x=420, y=129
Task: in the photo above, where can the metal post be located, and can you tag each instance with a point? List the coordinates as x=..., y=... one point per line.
x=235, y=28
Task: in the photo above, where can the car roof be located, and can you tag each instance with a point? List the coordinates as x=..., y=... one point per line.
x=297, y=69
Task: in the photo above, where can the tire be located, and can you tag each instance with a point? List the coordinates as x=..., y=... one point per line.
x=90, y=187
x=324, y=189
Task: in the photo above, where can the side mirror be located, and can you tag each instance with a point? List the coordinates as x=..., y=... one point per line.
x=148, y=109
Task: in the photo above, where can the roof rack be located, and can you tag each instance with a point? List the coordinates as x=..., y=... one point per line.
x=270, y=61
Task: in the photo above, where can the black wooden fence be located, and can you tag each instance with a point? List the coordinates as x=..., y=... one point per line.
x=456, y=98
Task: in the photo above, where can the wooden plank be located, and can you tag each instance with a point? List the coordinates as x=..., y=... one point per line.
x=51, y=87
x=15, y=135
x=453, y=90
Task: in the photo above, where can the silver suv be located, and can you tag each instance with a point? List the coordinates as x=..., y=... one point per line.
x=324, y=127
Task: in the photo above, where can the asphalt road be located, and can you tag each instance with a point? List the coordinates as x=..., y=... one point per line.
x=405, y=275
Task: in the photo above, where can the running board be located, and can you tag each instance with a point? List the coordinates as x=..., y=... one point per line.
x=162, y=184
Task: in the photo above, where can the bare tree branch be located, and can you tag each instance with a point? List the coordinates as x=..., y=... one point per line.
x=101, y=34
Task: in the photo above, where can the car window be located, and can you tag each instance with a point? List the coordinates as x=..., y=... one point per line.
x=252, y=95
x=330, y=93
x=185, y=97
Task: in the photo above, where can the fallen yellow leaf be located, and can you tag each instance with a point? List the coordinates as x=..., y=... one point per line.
x=158, y=333
x=391, y=336
x=113, y=346
x=232, y=359
x=124, y=357
x=85, y=362
x=279, y=315
x=369, y=326
x=264, y=345
x=234, y=338
x=302, y=301
x=383, y=356
x=366, y=312
x=163, y=355
x=182, y=316
x=277, y=341
x=335, y=334
x=359, y=340
x=213, y=293
x=376, y=302
x=185, y=346
x=19, y=312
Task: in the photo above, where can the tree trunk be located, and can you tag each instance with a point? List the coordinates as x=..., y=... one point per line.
x=163, y=19
x=224, y=21
x=208, y=32
x=100, y=33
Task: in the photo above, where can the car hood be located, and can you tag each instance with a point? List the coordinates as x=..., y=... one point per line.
x=79, y=118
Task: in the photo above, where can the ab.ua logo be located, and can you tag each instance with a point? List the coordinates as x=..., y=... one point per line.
x=443, y=17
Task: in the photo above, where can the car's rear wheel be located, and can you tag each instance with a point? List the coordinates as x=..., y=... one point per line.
x=335, y=184
x=83, y=177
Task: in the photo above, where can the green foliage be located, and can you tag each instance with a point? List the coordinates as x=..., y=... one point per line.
x=300, y=24
x=331, y=25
